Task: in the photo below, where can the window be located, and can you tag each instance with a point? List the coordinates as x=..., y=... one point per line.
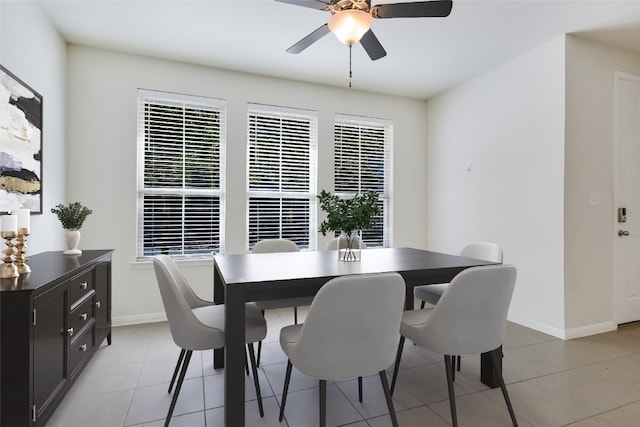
x=362, y=161
x=181, y=141
x=281, y=166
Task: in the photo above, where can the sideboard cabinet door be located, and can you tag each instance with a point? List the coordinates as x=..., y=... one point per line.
x=49, y=347
x=102, y=302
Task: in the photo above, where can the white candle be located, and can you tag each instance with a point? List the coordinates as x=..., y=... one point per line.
x=10, y=223
x=23, y=218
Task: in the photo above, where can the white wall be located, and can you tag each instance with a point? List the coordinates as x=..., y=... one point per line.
x=32, y=50
x=507, y=126
x=101, y=155
x=589, y=229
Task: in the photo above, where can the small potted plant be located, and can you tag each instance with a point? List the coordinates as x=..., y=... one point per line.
x=72, y=216
x=349, y=216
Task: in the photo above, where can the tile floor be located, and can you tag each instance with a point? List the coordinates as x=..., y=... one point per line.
x=587, y=382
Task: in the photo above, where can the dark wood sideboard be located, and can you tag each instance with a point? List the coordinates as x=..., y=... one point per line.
x=51, y=324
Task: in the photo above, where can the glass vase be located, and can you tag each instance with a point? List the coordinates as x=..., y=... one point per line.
x=349, y=246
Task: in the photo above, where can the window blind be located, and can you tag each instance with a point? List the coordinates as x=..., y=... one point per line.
x=181, y=142
x=362, y=162
x=281, y=168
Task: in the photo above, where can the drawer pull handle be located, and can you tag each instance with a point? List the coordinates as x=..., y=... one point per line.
x=70, y=332
x=98, y=304
x=83, y=316
x=83, y=347
x=83, y=285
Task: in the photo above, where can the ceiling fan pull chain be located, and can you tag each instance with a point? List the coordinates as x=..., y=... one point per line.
x=350, y=73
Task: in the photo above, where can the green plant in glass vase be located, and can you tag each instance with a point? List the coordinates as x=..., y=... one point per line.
x=349, y=216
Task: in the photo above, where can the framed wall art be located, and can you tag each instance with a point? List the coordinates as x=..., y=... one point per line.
x=20, y=145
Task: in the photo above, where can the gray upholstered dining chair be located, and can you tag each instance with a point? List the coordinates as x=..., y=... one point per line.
x=193, y=301
x=469, y=319
x=200, y=328
x=351, y=330
x=271, y=246
x=485, y=251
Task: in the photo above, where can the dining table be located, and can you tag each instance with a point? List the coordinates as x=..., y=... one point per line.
x=259, y=277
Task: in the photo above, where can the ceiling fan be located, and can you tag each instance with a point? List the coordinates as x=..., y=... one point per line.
x=351, y=20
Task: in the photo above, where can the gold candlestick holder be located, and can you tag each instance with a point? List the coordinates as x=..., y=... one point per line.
x=21, y=247
x=8, y=270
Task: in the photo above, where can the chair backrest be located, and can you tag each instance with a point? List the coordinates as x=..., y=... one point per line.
x=183, y=286
x=332, y=245
x=471, y=315
x=186, y=330
x=485, y=251
x=275, y=245
x=352, y=327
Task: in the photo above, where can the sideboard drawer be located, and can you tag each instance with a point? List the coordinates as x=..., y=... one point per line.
x=81, y=348
x=82, y=314
x=80, y=285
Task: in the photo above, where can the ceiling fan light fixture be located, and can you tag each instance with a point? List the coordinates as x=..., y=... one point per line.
x=350, y=25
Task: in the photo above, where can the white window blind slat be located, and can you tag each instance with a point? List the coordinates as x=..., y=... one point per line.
x=181, y=149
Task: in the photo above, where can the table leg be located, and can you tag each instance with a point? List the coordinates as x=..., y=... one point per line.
x=408, y=298
x=488, y=375
x=218, y=298
x=234, y=319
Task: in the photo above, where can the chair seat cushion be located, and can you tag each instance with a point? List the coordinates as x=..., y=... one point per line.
x=213, y=316
x=412, y=318
x=284, y=303
x=430, y=293
x=289, y=335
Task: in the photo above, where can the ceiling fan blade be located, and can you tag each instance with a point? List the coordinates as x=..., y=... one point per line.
x=313, y=37
x=372, y=46
x=313, y=4
x=420, y=9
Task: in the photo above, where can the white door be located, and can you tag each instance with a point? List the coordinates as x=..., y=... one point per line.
x=627, y=196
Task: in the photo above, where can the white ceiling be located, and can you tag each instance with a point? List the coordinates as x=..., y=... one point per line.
x=424, y=55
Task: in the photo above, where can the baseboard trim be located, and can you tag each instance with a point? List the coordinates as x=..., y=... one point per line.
x=566, y=334
x=538, y=326
x=138, y=319
x=596, y=328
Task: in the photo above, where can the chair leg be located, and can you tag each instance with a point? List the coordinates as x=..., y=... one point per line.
x=397, y=364
x=295, y=315
x=323, y=403
x=256, y=381
x=495, y=357
x=183, y=371
x=459, y=362
x=259, y=353
x=422, y=304
x=246, y=364
x=360, y=389
x=285, y=390
x=259, y=346
x=387, y=396
x=452, y=397
x=175, y=372
x=453, y=367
